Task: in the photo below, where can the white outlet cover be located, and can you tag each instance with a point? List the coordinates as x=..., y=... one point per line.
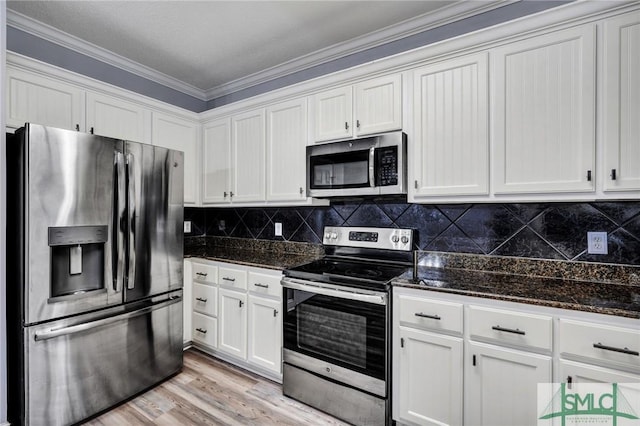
x=278, y=229
x=597, y=243
x=187, y=226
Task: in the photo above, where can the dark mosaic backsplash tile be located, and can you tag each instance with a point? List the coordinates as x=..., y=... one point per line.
x=538, y=230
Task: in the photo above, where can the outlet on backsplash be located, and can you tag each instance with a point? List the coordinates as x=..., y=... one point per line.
x=221, y=225
x=278, y=229
x=597, y=243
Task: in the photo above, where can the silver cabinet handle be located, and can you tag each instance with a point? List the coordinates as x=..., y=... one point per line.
x=201, y=330
x=421, y=315
x=261, y=285
x=508, y=330
x=200, y=299
x=131, y=275
x=228, y=279
x=614, y=349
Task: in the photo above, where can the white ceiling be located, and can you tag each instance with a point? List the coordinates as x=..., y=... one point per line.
x=212, y=47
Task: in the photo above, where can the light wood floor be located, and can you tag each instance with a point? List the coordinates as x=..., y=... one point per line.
x=212, y=392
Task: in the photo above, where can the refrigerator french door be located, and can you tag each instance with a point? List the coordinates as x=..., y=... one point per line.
x=94, y=272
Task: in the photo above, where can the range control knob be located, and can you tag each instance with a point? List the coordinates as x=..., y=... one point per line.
x=327, y=236
x=334, y=236
x=395, y=239
x=404, y=239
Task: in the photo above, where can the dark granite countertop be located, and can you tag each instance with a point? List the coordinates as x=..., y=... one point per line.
x=262, y=254
x=619, y=299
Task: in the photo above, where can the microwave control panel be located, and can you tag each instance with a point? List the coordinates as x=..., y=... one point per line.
x=387, y=166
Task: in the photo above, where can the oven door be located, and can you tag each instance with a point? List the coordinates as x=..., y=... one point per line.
x=335, y=333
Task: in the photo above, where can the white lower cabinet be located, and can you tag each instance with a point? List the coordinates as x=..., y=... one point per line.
x=501, y=385
x=233, y=323
x=430, y=378
x=237, y=315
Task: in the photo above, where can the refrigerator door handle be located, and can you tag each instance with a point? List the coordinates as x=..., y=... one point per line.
x=131, y=274
x=78, y=328
x=120, y=206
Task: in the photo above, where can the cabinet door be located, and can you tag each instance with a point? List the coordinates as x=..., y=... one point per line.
x=248, y=158
x=40, y=100
x=232, y=317
x=543, y=113
x=182, y=135
x=451, y=142
x=622, y=103
x=378, y=105
x=265, y=333
x=107, y=116
x=333, y=114
x=216, y=164
x=286, y=151
x=429, y=372
x=501, y=385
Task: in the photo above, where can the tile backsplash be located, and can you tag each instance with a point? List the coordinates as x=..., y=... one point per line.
x=542, y=231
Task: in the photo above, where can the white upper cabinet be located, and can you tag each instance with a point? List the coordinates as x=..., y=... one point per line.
x=216, y=162
x=378, y=105
x=543, y=113
x=183, y=135
x=333, y=111
x=621, y=110
x=286, y=154
x=451, y=139
x=248, y=156
x=115, y=118
x=35, y=99
x=377, y=108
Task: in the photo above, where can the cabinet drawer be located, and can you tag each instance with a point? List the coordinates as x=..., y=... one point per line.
x=204, y=273
x=510, y=327
x=430, y=314
x=205, y=299
x=265, y=284
x=234, y=278
x=205, y=330
x=612, y=345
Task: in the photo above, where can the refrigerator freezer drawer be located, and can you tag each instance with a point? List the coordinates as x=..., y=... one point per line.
x=74, y=371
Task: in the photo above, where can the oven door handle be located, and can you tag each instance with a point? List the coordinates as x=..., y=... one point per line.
x=378, y=299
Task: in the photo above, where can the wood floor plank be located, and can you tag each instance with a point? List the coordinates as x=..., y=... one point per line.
x=209, y=391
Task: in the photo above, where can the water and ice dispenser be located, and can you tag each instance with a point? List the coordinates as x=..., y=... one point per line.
x=77, y=259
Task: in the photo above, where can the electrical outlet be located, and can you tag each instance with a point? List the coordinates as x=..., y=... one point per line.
x=187, y=226
x=597, y=243
x=221, y=225
x=278, y=229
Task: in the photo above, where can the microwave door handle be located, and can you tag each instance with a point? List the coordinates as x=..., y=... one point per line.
x=131, y=192
x=120, y=206
x=372, y=157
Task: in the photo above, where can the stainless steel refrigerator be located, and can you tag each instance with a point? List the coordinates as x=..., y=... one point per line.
x=94, y=272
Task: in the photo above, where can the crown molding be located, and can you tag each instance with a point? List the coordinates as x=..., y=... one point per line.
x=53, y=35
x=455, y=12
x=407, y=28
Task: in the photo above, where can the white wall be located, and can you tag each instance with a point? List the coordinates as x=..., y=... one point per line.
x=3, y=199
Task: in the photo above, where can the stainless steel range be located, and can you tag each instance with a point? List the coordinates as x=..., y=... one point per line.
x=336, y=323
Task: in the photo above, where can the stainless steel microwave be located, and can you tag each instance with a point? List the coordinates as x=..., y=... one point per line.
x=375, y=165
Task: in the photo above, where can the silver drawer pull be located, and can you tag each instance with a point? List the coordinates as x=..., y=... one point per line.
x=201, y=330
x=421, y=315
x=228, y=279
x=201, y=274
x=200, y=299
x=261, y=285
x=508, y=330
x=613, y=349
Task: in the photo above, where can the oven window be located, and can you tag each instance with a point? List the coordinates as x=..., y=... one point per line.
x=342, y=170
x=333, y=334
x=348, y=333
